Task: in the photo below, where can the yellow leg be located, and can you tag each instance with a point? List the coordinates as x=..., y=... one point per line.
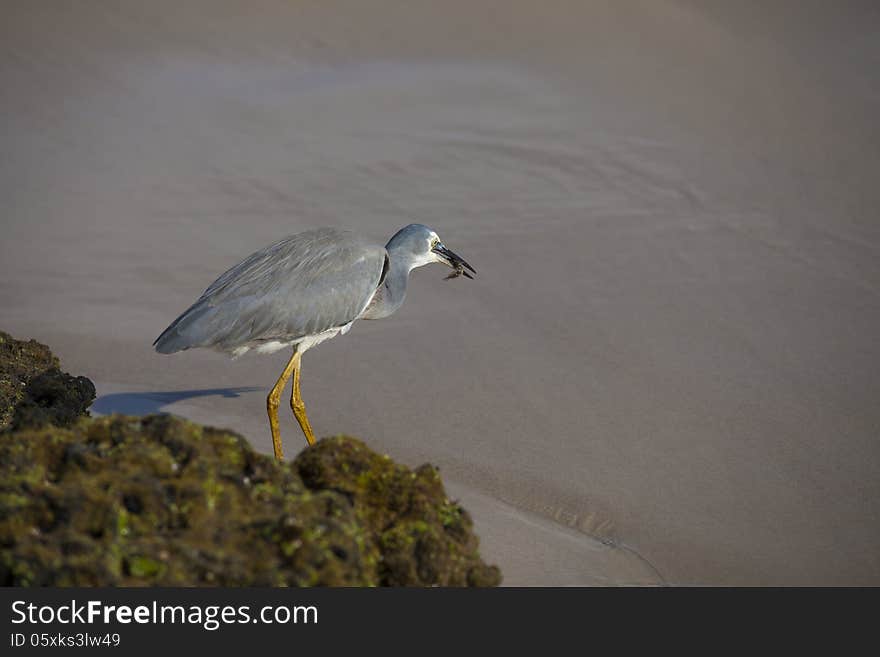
x=274, y=400
x=297, y=405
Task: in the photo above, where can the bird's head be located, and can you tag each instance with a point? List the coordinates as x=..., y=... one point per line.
x=418, y=245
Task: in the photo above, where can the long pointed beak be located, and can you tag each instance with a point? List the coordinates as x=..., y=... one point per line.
x=455, y=261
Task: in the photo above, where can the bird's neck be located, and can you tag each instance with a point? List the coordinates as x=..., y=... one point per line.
x=391, y=294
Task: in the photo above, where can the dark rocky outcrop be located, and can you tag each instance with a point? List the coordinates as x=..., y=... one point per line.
x=33, y=389
x=161, y=501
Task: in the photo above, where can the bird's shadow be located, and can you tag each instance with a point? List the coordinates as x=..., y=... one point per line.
x=148, y=403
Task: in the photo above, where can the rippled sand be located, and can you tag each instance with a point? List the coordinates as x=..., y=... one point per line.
x=668, y=368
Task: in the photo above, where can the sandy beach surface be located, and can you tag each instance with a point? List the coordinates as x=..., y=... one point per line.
x=668, y=368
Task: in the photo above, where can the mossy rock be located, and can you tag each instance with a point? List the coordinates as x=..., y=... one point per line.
x=20, y=361
x=162, y=501
x=122, y=501
x=422, y=537
x=34, y=391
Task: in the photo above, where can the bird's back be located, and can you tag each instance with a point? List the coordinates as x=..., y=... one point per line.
x=303, y=285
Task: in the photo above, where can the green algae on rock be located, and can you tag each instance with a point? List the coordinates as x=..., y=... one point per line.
x=20, y=361
x=162, y=501
x=158, y=500
x=422, y=537
x=34, y=391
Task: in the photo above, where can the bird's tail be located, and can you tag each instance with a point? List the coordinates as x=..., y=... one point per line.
x=183, y=333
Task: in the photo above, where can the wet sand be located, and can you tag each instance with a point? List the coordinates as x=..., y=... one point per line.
x=668, y=368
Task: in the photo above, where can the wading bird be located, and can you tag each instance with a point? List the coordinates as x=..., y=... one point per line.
x=301, y=291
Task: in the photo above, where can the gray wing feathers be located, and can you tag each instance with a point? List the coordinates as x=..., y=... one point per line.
x=302, y=285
